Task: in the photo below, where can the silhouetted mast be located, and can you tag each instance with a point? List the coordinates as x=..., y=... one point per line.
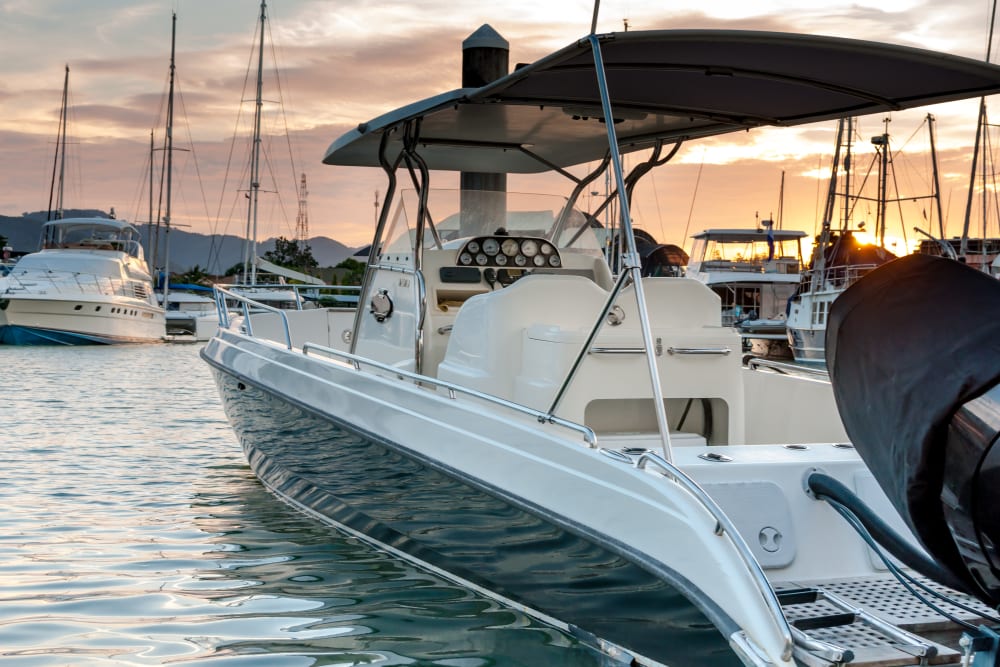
x=59, y=164
x=250, y=256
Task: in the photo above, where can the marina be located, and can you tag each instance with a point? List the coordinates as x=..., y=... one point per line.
x=512, y=427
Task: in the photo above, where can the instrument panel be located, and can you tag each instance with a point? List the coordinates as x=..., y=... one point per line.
x=516, y=252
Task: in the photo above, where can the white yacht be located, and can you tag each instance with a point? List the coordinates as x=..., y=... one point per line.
x=190, y=312
x=839, y=260
x=89, y=283
x=754, y=272
x=582, y=444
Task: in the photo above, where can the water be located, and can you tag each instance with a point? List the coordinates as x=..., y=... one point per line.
x=133, y=533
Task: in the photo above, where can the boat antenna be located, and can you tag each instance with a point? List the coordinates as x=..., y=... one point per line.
x=59, y=164
x=593, y=21
x=781, y=199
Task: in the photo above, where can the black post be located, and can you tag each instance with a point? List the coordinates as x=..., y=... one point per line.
x=485, y=58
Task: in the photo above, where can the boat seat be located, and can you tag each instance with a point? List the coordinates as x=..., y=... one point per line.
x=612, y=393
x=486, y=344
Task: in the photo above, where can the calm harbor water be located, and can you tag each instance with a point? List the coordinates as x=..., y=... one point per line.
x=133, y=533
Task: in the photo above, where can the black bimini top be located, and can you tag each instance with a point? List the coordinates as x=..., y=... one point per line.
x=664, y=85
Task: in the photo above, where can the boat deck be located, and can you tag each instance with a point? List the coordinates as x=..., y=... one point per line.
x=877, y=621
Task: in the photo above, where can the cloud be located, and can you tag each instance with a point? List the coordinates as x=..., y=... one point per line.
x=344, y=64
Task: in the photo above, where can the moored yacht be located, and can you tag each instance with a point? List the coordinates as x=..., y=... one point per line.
x=754, y=272
x=190, y=312
x=89, y=283
x=582, y=442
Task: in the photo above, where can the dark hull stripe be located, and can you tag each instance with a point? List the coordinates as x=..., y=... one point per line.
x=21, y=335
x=432, y=515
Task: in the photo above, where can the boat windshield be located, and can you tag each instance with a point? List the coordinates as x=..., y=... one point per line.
x=746, y=253
x=459, y=215
x=91, y=235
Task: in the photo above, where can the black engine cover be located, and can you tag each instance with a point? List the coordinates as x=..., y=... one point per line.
x=907, y=347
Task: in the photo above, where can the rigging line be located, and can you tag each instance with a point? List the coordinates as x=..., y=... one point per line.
x=281, y=103
x=215, y=246
x=239, y=116
x=694, y=196
x=993, y=176
x=194, y=157
x=141, y=192
x=277, y=191
x=659, y=214
x=899, y=201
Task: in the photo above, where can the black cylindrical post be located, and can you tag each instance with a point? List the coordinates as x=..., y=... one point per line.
x=485, y=58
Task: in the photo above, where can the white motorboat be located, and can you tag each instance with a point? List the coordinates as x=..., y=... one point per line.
x=190, y=312
x=584, y=445
x=754, y=272
x=89, y=283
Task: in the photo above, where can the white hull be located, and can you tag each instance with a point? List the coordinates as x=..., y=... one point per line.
x=89, y=284
x=551, y=472
x=95, y=318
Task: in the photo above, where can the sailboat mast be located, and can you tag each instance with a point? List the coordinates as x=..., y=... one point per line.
x=937, y=178
x=980, y=124
x=831, y=194
x=882, y=143
x=170, y=161
x=59, y=163
x=847, y=175
x=250, y=259
x=150, y=237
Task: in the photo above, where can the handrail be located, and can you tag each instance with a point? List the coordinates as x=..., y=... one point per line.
x=221, y=294
x=783, y=367
x=296, y=289
x=64, y=281
x=724, y=526
x=544, y=418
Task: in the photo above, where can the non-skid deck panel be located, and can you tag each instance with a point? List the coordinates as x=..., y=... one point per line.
x=890, y=601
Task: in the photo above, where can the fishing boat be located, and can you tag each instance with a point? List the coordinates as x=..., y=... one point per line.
x=582, y=443
x=840, y=257
x=754, y=271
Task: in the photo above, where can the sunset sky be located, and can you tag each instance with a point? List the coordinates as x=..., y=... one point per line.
x=344, y=63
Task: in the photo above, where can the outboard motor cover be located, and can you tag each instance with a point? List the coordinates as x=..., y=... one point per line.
x=913, y=351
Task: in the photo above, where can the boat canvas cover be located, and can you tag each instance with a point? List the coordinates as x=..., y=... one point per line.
x=907, y=345
x=665, y=85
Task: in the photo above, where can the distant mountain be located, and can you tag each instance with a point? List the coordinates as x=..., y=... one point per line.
x=214, y=254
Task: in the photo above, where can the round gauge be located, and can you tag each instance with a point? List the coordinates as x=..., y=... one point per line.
x=529, y=247
x=491, y=246
x=473, y=246
x=482, y=259
x=555, y=261
x=547, y=249
x=520, y=260
x=539, y=260
x=465, y=259
x=501, y=260
x=509, y=247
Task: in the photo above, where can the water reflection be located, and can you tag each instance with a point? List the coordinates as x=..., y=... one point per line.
x=133, y=533
x=329, y=594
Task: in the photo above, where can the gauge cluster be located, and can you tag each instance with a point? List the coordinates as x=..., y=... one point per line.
x=515, y=252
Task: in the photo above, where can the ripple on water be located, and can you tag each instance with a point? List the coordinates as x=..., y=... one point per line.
x=134, y=534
